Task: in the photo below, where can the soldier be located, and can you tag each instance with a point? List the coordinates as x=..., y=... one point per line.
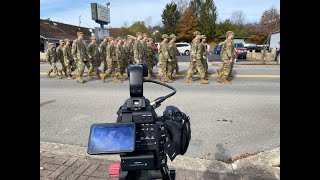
x=130, y=46
x=164, y=59
x=144, y=47
x=126, y=54
x=102, y=49
x=150, y=55
x=94, y=57
x=80, y=56
x=67, y=58
x=51, y=59
x=204, y=53
x=227, y=56
x=137, y=49
x=59, y=55
x=110, y=55
x=173, y=52
x=119, y=61
x=195, y=60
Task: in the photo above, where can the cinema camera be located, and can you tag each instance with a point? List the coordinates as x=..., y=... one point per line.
x=141, y=137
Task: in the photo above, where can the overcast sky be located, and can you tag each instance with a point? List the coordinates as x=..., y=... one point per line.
x=68, y=11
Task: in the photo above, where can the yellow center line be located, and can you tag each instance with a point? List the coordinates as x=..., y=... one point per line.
x=215, y=75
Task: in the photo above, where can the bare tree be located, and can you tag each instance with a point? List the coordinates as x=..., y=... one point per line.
x=148, y=21
x=238, y=17
x=182, y=5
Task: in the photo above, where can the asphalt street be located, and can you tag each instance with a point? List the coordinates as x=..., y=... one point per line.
x=226, y=121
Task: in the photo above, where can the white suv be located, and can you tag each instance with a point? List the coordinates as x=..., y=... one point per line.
x=183, y=48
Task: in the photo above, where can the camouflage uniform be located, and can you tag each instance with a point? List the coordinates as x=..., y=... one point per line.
x=150, y=55
x=51, y=59
x=94, y=57
x=119, y=61
x=203, y=53
x=137, y=50
x=110, y=57
x=131, y=53
x=68, y=60
x=164, y=58
x=195, y=60
x=126, y=54
x=60, y=58
x=102, y=49
x=227, y=54
x=144, y=48
x=173, y=52
x=79, y=53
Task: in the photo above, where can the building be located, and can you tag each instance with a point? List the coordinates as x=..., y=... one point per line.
x=274, y=39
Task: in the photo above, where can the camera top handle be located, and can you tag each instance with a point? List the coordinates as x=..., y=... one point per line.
x=157, y=102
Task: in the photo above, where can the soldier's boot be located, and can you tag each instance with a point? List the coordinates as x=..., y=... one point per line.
x=70, y=76
x=48, y=73
x=80, y=80
x=177, y=73
x=116, y=80
x=103, y=78
x=112, y=75
x=89, y=74
x=58, y=76
x=188, y=80
x=219, y=77
x=168, y=79
x=98, y=75
x=224, y=80
x=204, y=81
x=65, y=73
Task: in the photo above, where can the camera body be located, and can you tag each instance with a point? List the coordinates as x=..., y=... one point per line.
x=155, y=136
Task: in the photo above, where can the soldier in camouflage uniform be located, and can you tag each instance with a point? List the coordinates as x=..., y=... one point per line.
x=131, y=54
x=119, y=68
x=204, y=53
x=51, y=59
x=150, y=55
x=164, y=59
x=126, y=53
x=227, y=56
x=102, y=49
x=195, y=60
x=68, y=59
x=144, y=47
x=173, y=52
x=94, y=56
x=110, y=57
x=80, y=56
x=59, y=54
x=137, y=49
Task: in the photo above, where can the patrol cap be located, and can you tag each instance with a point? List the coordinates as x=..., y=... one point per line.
x=110, y=38
x=93, y=38
x=229, y=32
x=150, y=39
x=164, y=36
x=172, y=36
x=203, y=37
x=138, y=33
x=145, y=34
x=67, y=40
x=79, y=33
x=61, y=41
x=119, y=38
x=196, y=33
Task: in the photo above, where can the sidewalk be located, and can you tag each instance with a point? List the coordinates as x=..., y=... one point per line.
x=59, y=161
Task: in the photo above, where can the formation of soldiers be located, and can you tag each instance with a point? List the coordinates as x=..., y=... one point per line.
x=116, y=55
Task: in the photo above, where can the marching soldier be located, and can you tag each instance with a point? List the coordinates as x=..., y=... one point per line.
x=119, y=61
x=227, y=56
x=80, y=56
x=164, y=59
x=131, y=54
x=173, y=52
x=59, y=55
x=150, y=55
x=195, y=60
x=68, y=60
x=204, y=53
x=102, y=49
x=51, y=59
x=137, y=49
x=94, y=57
x=144, y=47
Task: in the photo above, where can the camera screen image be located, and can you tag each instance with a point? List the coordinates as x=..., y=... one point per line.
x=111, y=138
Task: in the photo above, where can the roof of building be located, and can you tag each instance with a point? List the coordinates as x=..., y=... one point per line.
x=236, y=37
x=57, y=30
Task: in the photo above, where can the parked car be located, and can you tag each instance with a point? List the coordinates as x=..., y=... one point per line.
x=155, y=47
x=183, y=48
x=217, y=49
x=240, y=50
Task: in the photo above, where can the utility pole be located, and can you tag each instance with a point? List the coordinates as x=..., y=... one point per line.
x=79, y=22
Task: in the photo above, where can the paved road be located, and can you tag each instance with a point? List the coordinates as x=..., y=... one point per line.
x=226, y=121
